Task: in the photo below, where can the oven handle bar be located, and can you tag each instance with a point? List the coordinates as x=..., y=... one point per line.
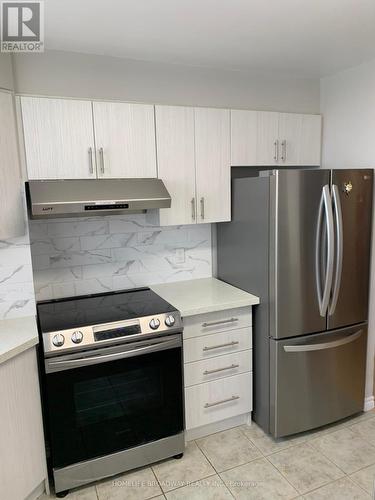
x=67, y=364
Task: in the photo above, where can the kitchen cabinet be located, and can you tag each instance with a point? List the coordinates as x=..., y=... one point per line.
x=274, y=139
x=176, y=162
x=194, y=162
x=212, y=159
x=22, y=455
x=58, y=138
x=12, y=220
x=125, y=140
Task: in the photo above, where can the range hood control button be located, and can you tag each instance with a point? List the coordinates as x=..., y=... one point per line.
x=169, y=320
x=154, y=323
x=58, y=340
x=77, y=337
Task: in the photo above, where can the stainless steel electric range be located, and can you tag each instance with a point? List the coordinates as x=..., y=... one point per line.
x=112, y=384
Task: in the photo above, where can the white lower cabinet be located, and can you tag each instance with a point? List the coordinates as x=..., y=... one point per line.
x=217, y=370
x=218, y=400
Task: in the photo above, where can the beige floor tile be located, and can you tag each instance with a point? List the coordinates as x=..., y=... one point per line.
x=343, y=489
x=85, y=493
x=305, y=468
x=365, y=429
x=211, y=488
x=258, y=480
x=268, y=444
x=193, y=466
x=137, y=485
x=228, y=449
x=346, y=449
x=365, y=478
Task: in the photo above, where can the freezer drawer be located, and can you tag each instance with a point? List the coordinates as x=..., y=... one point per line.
x=317, y=379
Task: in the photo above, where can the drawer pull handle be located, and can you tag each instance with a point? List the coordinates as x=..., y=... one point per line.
x=222, y=322
x=233, y=398
x=228, y=344
x=208, y=372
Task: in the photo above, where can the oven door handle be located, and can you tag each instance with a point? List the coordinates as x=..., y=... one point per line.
x=67, y=364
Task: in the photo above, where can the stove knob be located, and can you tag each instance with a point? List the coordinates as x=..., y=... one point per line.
x=170, y=320
x=77, y=337
x=58, y=340
x=154, y=323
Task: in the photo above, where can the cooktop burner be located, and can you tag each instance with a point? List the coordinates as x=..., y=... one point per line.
x=75, y=312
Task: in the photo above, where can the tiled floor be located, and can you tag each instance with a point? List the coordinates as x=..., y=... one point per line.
x=336, y=462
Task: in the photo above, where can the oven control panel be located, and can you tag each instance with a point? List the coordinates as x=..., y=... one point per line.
x=110, y=333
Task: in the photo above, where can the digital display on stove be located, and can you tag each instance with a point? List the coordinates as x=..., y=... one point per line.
x=117, y=332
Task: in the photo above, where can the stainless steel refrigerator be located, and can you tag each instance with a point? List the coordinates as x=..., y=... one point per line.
x=300, y=240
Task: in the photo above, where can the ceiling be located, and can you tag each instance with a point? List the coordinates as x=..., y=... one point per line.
x=304, y=37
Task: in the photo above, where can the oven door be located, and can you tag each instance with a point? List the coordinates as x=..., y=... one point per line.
x=104, y=401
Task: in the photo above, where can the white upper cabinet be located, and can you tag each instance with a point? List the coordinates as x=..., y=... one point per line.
x=212, y=157
x=125, y=139
x=244, y=126
x=176, y=162
x=273, y=139
x=59, y=138
x=12, y=220
x=267, y=138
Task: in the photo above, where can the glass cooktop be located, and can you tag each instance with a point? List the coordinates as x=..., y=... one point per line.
x=61, y=314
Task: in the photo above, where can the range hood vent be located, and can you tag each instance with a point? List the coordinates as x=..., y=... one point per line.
x=88, y=197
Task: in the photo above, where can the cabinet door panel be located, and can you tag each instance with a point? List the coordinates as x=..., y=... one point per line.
x=126, y=134
x=212, y=149
x=311, y=139
x=58, y=134
x=244, y=133
x=176, y=162
x=268, y=127
x=290, y=132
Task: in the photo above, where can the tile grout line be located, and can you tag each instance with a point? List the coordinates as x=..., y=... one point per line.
x=359, y=486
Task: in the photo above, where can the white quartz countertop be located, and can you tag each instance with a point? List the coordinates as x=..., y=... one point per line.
x=203, y=296
x=17, y=335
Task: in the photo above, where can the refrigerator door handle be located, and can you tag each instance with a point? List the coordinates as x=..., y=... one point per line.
x=326, y=203
x=340, y=246
x=324, y=345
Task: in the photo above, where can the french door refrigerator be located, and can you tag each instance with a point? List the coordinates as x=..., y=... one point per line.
x=300, y=239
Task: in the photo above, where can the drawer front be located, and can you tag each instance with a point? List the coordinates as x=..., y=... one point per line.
x=218, y=321
x=217, y=344
x=228, y=365
x=218, y=400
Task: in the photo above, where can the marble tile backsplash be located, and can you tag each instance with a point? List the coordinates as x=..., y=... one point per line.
x=90, y=255
x=16, y=279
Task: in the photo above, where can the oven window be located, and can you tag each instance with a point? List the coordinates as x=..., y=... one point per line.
x=109, y=407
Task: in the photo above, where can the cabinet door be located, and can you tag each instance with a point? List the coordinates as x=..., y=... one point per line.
x=311, y=140
x=244, y=128
x=176, y=162
x=11, y=209
x=59, y=139
x=267, y=140
x=125, y=139
x=290, y=133
x=212, y=150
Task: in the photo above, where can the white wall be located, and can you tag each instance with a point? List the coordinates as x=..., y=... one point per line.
x=6, y=72
x=348, y=108
x=81, y=75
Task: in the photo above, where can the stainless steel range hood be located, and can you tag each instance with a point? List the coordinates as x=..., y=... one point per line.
x=85, y=197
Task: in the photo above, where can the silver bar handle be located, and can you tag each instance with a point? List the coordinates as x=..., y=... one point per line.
x=216, y=370
x=221, y=322
x=101, y=157
x=209, y=405
x=325, y=345
x=193, y=208
x=283, y=150
x=326, y=203
x=339, y=246
x=202, y=208
x=218, y=346
x=276, y=150
x=91, y=163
